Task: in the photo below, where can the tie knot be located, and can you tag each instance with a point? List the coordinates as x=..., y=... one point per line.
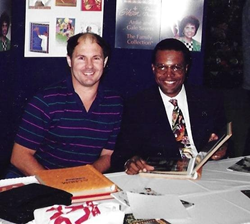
x=174, y=102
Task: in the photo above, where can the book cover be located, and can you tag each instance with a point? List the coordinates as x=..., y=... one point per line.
x=84, y=182
x=187, y=168
x=242, y=165
x=11, y=186
x=130, y=219
x=11, y=183
x=246, y=192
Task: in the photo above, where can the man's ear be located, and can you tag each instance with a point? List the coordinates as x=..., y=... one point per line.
x=69, y=60
x=186, y=68
x=153, y=67
x=105, y=61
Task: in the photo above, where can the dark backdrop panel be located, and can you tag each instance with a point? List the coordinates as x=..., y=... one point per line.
x=128, y=72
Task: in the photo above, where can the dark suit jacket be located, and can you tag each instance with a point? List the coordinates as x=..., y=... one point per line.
x=146, y=131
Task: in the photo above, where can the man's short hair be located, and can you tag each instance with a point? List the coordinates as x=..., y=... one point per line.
x=74, y=40
x=172, y=44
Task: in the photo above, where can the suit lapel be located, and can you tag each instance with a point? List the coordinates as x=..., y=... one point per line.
x=164, y=128
x=197, y=112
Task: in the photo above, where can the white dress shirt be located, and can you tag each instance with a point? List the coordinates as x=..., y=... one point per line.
x=183, y=105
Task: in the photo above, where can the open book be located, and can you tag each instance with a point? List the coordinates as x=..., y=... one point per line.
x=186, y=168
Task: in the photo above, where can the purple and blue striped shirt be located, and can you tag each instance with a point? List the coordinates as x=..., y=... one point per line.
x=56, y=125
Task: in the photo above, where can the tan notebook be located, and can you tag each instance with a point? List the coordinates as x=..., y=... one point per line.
x=84, y=182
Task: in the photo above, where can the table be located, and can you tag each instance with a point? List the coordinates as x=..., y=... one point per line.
x=217, y=195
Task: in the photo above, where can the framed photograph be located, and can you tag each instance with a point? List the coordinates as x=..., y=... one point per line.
x=71, y=3
x=39, y=38
x=40, y=4
x=91, y=5
x=65, y=28
x=91, y=28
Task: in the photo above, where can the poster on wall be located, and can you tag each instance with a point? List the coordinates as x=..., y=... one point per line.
x=141, y=24
x=5, y=22
x=50, y=23
x=137, y=24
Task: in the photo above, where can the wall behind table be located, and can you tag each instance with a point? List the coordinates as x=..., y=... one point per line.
x=128, y=72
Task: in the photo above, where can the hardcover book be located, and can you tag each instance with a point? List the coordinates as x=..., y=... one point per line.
x=130, y=219
x=9, y=187
x=11, y=183
x=83, y=182
x=243, y=165
x=186, y=168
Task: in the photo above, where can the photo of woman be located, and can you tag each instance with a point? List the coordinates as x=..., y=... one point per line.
x=187, y=30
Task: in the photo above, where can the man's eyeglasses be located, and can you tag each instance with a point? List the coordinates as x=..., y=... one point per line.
x=161, y=68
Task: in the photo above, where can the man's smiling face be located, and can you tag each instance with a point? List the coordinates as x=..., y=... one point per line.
x=170, y=69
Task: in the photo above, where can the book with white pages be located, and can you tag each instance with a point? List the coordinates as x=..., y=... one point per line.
x=187, y=168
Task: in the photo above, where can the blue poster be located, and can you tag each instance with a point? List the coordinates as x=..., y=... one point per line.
x=141, y=24
x=137, y=24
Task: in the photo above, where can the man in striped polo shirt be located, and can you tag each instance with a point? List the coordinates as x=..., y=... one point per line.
x=73, y=122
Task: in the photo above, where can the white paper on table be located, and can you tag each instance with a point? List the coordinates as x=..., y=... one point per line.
x=237, y=198
x=219, y=208
x=166, y=207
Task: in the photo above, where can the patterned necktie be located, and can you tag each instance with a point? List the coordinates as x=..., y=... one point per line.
x=180, y=131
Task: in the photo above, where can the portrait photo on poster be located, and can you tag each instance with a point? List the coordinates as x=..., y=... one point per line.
x=39, y=38
x=185, y=22
x=5, y=21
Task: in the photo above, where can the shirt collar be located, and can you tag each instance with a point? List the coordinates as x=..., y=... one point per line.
x=100, y=91
x=180, y=97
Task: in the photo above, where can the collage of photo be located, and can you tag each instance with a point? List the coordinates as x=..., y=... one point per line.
x=49, y=24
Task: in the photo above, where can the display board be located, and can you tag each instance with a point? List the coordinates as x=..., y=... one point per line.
x=141, y=24
x=49, y=24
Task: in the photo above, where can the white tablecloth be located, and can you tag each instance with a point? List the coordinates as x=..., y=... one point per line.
x=217, y=195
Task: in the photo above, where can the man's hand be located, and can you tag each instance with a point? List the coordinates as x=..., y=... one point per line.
x=221, y=152
x=213, y=137
x=136, y=165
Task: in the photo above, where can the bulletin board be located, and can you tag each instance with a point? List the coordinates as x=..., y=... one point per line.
x=49, y=24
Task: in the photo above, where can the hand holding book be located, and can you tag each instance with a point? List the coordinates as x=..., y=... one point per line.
x=192, y=169
x=136, y=165
x=221, y=152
